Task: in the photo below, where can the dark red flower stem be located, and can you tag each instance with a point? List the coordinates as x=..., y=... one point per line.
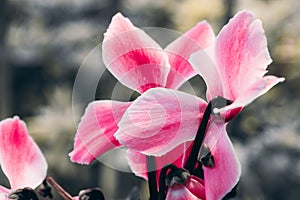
x=151, y=168
x=192, y=160
x=58, y=188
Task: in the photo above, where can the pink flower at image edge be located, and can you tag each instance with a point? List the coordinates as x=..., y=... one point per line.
x=21, y=159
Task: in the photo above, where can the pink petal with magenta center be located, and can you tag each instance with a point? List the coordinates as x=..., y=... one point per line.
x=159, y=120
x=241, y=53
x=133, y=57
x=21, y=159
x=199, y=37
x=95, y=132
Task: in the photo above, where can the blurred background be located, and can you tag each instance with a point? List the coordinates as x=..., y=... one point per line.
x=44, y=42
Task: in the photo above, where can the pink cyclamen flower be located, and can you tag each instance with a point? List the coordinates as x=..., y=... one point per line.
x=234, y=69
x=174, y=114
x=21, y=159
x=139, y=63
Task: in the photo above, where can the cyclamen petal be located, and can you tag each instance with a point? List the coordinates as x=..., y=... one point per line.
x=4, y=191
x=227, y=170
x=203, y=62
x=259, y=88
x=137, y=163
x=95, y=132
x=241, y=53
x=3, y=196
x=21, y=159
x=155, y=122
x=133, y=57
x=198, y=38
x=177, y=156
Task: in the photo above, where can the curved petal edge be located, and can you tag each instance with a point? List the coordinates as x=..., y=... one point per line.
x=95, y=131
x=21, y=159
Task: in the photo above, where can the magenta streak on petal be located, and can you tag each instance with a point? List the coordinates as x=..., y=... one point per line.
x=148, y=86
x=96, y=129
x=133, y=57
x=21, y=159
x=140, y=68
x=236, y=69
x=242, y=54
x=177, y=77
x=199, y=37
x=159, y=120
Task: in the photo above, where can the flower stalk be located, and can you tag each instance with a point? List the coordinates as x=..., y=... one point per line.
x=65, y=195
x=152, y=177
x=192, y=160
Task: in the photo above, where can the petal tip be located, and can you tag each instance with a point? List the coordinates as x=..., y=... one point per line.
x=80, y=154
x=118, y=17
x=245, y=12
x=281, y=79
x=118, y=24
x=16, y=117
x=74, y=159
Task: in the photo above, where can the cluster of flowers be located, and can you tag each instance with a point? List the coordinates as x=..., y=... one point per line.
x=176, y=141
